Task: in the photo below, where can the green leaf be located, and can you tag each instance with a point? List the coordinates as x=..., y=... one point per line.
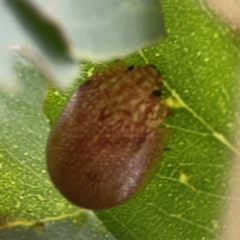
x=185, y=198
x=27, y=196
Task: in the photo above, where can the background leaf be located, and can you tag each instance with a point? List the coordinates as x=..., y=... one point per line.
x=100, y=30
x=56, y=34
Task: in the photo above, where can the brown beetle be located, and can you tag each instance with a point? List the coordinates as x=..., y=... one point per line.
x=106, y=142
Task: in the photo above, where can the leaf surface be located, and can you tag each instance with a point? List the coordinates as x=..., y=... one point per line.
x=186, y=197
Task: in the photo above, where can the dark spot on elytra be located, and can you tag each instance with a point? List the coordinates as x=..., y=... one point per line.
x=130, y=68
x=156, y=93
x=153, y=66
x=167, y=149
